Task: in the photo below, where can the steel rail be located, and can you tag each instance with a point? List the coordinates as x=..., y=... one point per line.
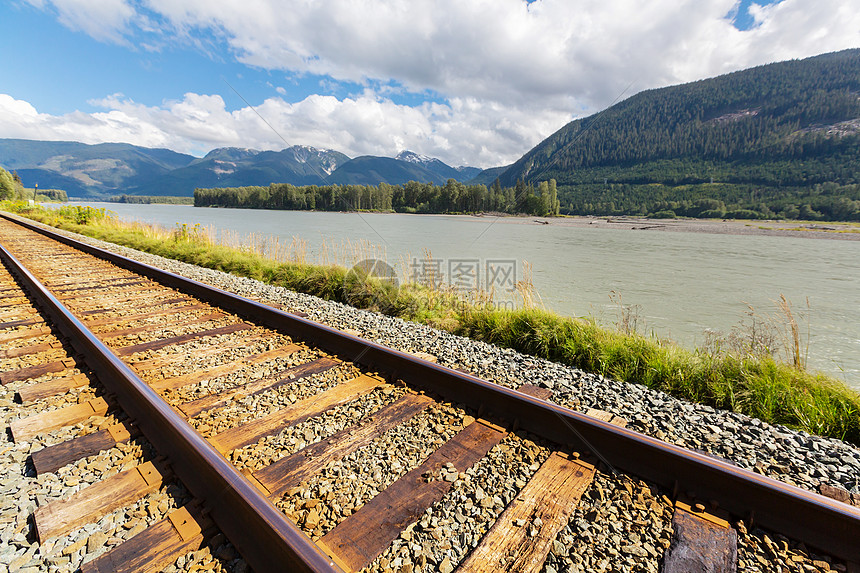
x=267, y=540
x=823, y=523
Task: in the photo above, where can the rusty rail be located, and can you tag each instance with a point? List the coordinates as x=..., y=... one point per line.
x=262, y=533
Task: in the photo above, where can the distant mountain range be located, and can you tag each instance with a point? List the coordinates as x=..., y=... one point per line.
x=106, y=169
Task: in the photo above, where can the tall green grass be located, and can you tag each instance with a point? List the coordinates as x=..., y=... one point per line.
x=752, y=383
x=759, y=386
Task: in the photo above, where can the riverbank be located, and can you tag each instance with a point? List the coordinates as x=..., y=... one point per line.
x=804, y=229
x=757, y=385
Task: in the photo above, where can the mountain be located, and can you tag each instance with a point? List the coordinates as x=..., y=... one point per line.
x=235, y=167
x=432, y=164
x=757, y=136
x=372, y=170
x=488, y=176
x=94, y=171
x=82, y=169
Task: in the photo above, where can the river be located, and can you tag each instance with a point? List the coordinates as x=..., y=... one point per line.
x=679, y=285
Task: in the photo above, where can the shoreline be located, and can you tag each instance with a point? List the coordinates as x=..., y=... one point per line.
x=845, y=231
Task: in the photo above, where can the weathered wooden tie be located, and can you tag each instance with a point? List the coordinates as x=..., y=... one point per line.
x=107, y=303
x=155, y=547
x=522, y=536
x=701, y=542
x=44, y=422
x=100, y=286
x=289, y=471
x=360, y=538
x=247, y=434
x=28, y=350
x=20, y=323
x=94, y=281
x=53, y=387
x=162, y=342
x=18, y=312
x=97, y=500
x=144, y=315
x=24, y=334
x=179, y=321
x=145, y=304
x=54, y=457
x=285, y=376
x=224, y=369
x=36, y=370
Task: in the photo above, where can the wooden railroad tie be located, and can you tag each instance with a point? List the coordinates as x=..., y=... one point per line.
x=101, y=285
x=144, y=315
x=145, y=304
x=37, y=370
x=20, y=323
x=100, y=281
x=701, y=541
x=52, y=387
x=247, y=434
x=24, y=334
x=97, y=500
x=52, y=458
x=104, y=297
x=281, y=378
x=360, y=538
x=224, y=369
x=522, y=536
x=155, y=547
x=147, y=299
x=19, y=311
x=177, y=322
x=44, y=422
x=30, y=350
x=162, y=342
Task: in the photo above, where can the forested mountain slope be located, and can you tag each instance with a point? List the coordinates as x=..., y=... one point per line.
x=776, y=139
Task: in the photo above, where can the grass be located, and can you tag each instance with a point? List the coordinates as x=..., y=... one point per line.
x=740, y=373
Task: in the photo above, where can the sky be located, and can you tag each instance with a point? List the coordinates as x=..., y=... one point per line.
x=471, y=82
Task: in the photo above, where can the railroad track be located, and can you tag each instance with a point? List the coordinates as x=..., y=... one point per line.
x=222, y=422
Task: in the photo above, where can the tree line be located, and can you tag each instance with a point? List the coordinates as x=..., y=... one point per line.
x=150, y=199
x=12, y=189
x=411, y=197
x=819, y=202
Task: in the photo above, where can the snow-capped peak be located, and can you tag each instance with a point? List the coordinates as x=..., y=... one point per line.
x=412, y=157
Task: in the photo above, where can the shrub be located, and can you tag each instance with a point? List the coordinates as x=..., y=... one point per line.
x=663, y=215
x=743, y=214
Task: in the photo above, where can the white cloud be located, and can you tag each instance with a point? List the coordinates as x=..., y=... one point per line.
x=562, y=52
x=465, y=131
x=104, y=20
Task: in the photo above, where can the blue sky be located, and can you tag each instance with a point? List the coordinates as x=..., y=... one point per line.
x=474, y=82
x=63, y=70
